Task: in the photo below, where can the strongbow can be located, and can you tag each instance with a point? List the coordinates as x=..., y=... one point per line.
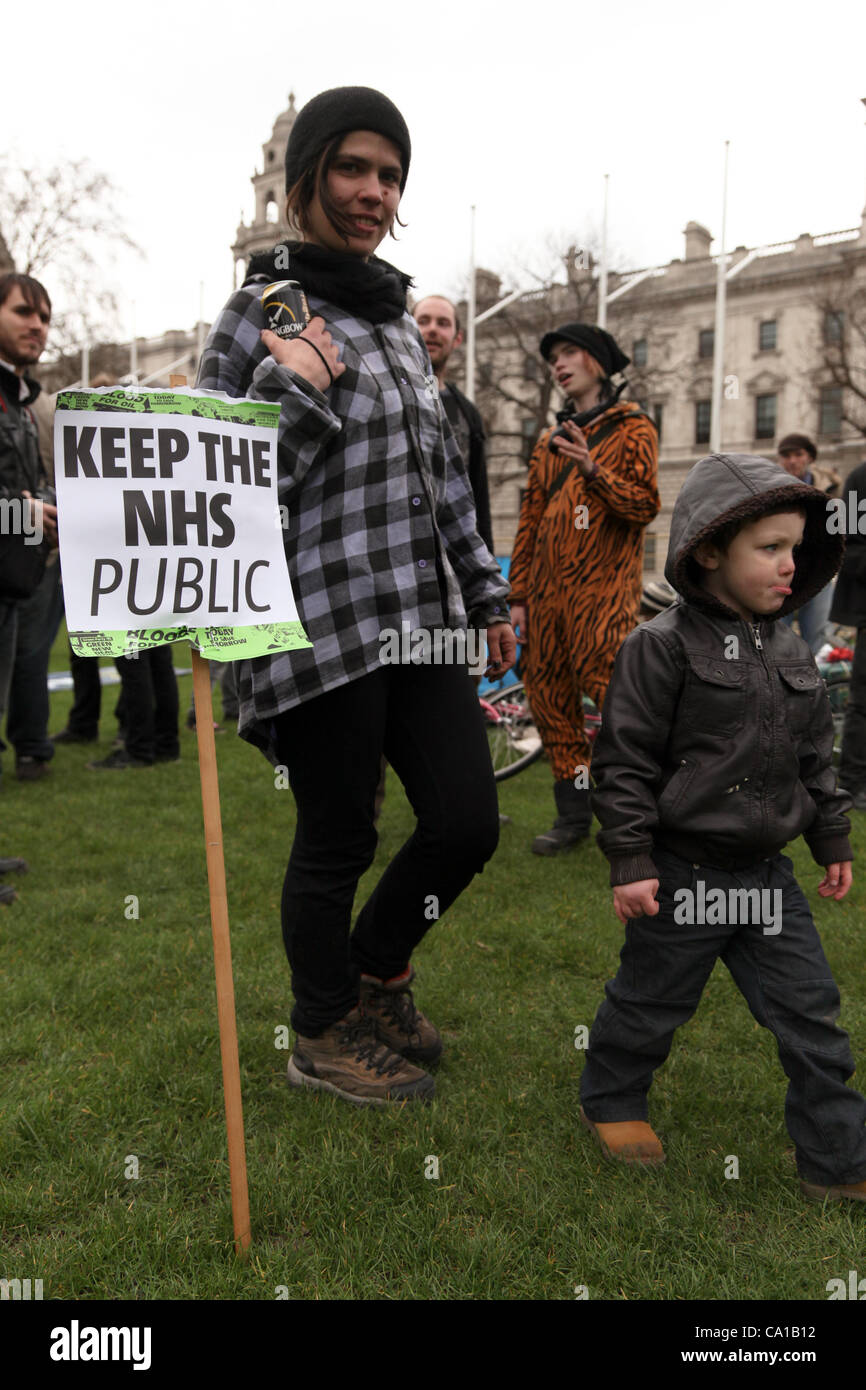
x=286, y=309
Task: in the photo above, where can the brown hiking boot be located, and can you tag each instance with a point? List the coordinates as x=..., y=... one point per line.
x=627, y=1141
x=398, y=1023
x=842, y=1191
x=351, y=1061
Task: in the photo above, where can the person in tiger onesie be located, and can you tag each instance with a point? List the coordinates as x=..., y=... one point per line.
x=577, y=560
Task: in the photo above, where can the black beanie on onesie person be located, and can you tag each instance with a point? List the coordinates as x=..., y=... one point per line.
x=336, y=112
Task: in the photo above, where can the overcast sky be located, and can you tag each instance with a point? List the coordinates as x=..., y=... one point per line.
x=519, y=108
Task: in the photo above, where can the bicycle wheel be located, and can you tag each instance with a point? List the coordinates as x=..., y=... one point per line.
x=514, y=741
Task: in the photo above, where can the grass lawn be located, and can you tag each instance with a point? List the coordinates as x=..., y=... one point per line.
x=109, y=1052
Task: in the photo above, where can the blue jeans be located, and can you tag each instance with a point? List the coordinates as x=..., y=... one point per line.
x=38, y=620
x=787, y=984
x=814, y=619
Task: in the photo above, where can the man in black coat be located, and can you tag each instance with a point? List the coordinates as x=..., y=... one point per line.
x=440, y=328
x=849, y=609
x=26, y=592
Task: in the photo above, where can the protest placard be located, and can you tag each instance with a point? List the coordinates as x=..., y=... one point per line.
x=169, y=523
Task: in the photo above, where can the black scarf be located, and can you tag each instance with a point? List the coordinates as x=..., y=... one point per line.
x=371, y=290
x=585, y=417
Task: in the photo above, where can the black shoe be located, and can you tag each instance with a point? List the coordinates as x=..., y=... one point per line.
x=13, y=866
x=70, y=736
x=573, y=822
x=117, y=762
x=31, y=769
x=166, y=757
x=7, y=894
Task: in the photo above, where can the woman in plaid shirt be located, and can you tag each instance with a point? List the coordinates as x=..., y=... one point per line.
x=381, y=535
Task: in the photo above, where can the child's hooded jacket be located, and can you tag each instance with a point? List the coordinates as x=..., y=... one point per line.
x=717, y=736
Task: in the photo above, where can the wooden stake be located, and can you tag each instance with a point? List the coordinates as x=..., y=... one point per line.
x=222, y=953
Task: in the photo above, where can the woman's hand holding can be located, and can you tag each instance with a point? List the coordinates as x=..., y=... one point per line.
x=312, y=354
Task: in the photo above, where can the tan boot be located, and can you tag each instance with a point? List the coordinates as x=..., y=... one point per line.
x=398, y=1022
x=352, y=1062
x=627, y=1141
x=842, y=1191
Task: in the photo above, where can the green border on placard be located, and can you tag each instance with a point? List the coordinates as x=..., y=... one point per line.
x=202, y=404
x=215, y=643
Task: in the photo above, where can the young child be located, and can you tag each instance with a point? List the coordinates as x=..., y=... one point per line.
x=715, y=751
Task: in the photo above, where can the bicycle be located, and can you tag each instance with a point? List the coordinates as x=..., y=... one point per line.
x=514, y=741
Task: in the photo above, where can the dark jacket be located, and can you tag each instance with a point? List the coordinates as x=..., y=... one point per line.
x=717, y=737
x=20, y=460
x=849, y=596
x=476, y=464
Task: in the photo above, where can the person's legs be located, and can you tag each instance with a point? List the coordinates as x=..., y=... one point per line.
x=664, y=966
x=137, y=682
x=8, y=629
x=852, y=762
x=789, y=987
x=83, y=719
x=166, y=743
x=39, y=618
x=331, y=747
x=549, y=677
x=436, y=742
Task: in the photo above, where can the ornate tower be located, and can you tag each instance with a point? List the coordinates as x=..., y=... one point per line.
x=269, y=222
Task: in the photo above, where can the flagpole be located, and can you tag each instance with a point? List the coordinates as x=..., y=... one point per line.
x=602, y=275
x=719, y=333
x=470, y=312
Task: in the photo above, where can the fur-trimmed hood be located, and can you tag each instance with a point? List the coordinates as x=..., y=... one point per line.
x=726, y=487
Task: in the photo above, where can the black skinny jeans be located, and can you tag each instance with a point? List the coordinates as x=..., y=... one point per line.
x=427, y=722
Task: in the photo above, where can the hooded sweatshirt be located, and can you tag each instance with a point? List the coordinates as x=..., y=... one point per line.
x=717, y=736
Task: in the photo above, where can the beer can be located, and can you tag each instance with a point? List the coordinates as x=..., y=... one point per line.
x=286, y=310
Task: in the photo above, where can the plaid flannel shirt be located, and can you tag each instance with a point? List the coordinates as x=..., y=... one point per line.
x=381, y=516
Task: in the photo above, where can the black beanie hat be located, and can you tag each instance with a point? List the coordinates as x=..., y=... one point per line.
x=597, y=342
x=336, y=112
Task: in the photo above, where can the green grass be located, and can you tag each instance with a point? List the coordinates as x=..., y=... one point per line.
x=109, y=1048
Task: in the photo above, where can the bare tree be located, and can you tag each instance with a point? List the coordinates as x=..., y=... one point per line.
x=841, y=305
x=61, y=225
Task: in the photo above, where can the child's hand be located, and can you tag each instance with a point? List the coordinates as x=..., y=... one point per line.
x=836, y=881
x=637, y=899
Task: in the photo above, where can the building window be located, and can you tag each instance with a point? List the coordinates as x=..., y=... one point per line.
x=834, y=323
x=531, y=368
x=706, y=342
x=765, y=417
x=649, y=552
x=272, y=212
x=658, y=416
x=702, y=422
x=830, y=410
x=767, y=336
x=529, y=430
x=639, y=352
